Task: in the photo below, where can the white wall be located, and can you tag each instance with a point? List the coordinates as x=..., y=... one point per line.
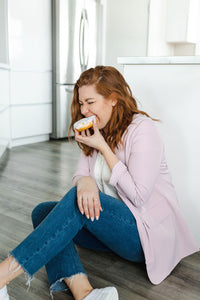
x=30, y=99
x=126, y=29
x=141, y=27
x=157, y=45
x=174, y=28
x=4, y=109
x=171, y=93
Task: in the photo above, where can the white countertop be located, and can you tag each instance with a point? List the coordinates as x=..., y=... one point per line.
x=156, y=60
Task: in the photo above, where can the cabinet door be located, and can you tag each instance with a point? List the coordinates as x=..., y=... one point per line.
x=30, y=35
x=4, y=32
x=182, y=24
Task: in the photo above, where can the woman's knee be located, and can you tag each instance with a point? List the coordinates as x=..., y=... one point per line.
x=70, y=197
x=41, y=211
x=72, y=193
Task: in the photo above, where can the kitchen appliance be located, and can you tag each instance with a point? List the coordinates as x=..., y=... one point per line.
x=76, y=47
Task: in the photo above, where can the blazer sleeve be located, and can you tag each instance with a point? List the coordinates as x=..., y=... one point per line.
x=136, y=180
x=82, y=168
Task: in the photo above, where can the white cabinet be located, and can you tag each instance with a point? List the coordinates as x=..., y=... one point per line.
x=30, y=34
x=28, y=88
x=4, y=110
x=182, y=23
x=3, y=32
x=30, y=75
x=25, y=119
x=168, y=89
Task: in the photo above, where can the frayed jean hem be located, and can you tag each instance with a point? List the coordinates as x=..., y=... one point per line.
x=28, y=277
x=60, y=285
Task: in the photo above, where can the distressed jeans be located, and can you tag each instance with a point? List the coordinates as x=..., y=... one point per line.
x=60, y=225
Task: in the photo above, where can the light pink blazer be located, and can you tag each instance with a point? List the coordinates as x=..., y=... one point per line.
x=143, y=182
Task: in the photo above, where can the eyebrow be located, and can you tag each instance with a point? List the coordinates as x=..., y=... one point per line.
x=87, y=99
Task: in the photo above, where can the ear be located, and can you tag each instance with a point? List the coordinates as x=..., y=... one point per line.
x=113, y=98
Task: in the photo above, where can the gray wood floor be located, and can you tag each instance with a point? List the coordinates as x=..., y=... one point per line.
x=42, y=172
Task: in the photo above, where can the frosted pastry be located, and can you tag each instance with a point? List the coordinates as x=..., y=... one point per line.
x=84, y=123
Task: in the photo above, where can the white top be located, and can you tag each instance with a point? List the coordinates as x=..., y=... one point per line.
x=102, y=175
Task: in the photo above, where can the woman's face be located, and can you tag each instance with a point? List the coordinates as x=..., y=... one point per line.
x=92, y=103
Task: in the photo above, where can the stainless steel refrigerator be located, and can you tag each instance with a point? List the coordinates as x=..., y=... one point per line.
x=76, y=46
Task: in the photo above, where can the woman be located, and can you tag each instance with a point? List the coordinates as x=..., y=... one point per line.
x=123, y=200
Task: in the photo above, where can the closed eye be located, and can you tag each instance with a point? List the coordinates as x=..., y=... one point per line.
x=87, y=103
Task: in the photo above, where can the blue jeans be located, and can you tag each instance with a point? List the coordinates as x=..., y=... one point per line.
x=60, y=225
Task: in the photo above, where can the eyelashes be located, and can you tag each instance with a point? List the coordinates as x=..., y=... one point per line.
x=87, y=103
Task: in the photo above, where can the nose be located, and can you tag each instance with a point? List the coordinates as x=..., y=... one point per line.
x=84, y=109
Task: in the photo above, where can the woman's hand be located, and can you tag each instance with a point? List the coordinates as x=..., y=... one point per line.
x=88, y=198
x=95, y=140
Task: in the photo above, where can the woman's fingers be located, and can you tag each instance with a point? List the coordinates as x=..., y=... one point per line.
x=85, y=207
x=91, y=207
x=83, y=133
x=95, y=127
x=77, y=133
x=88, y=197
x=97, y=207
x=88, y=132
x=80, y=204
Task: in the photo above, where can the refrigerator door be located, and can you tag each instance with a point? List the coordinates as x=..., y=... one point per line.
x=66, y=32
x=74, y=38
x=61, y=111
x=75, y=44
x=91, y=33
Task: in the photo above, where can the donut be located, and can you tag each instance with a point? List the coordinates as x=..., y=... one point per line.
x=84, y=123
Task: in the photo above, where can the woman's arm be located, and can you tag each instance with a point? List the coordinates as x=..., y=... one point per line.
x=82, y=168
x=136, y=180
x=97, y=142
x=109, y=156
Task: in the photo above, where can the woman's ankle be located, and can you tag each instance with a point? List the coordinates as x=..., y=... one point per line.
x=3, y=281
x=79, y=286
x=85, y=294
x=2, y=284
x=9, y=269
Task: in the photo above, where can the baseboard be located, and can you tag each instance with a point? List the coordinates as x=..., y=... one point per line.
x=28, y=140
x=3, y=152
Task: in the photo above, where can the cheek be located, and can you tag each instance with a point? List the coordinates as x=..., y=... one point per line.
x=107, y=114
x=103, y=112
x=109, y=110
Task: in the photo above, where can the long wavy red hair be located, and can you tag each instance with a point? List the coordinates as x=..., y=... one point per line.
x=107, y=80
